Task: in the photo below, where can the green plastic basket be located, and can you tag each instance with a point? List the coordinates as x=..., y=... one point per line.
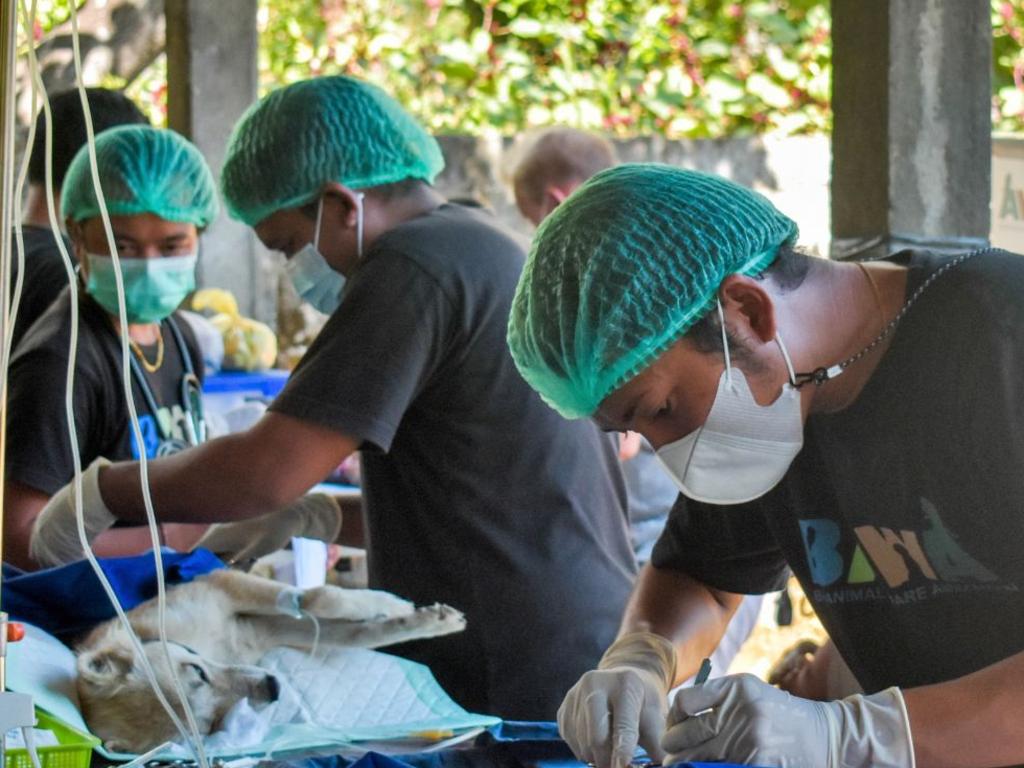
x=74, y=749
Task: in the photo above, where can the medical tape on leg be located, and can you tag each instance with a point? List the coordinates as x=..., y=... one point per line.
x=289, y=602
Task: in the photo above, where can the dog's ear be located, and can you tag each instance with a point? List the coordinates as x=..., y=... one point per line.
x=106, y=667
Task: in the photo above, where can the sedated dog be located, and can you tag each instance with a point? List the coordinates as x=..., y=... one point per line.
x=218, y=626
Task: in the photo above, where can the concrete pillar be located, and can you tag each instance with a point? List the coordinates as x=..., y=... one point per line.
x=212, y=79
x=911, y=140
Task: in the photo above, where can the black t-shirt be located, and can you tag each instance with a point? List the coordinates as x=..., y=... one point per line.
x=476, y=493
x=39, y=447
x=902, y=515
x=45, y=276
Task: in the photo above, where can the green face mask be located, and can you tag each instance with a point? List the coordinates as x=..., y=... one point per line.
x=153, y=288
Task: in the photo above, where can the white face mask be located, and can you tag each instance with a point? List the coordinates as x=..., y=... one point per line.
x=743, y=449
x=313, y=278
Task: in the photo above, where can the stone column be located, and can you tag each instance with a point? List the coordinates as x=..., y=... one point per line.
x=212, y=79
x=911, y=142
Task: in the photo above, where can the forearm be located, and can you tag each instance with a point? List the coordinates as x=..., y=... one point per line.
x=231, y=478
x=204, y=484
x=971, y=722
x=121, y=542
x=22, y=504
x=688, y=613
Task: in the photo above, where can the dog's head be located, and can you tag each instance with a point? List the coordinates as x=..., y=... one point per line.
x=120, y=707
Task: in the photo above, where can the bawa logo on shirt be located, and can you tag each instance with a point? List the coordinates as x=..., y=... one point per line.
x=171, y=423
x=901, y=566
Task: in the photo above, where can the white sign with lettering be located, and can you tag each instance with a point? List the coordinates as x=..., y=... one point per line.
x=1008, y=193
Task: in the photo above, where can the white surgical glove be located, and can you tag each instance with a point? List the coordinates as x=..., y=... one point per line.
x=54, y=538
x=314, y=516
x=621, y=703
x=752, y=722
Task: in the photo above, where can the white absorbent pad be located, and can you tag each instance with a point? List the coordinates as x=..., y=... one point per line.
x=341, y=696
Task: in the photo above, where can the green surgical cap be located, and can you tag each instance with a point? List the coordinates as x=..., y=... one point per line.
x=142, y=170
x=300, y=137
x=623, y=268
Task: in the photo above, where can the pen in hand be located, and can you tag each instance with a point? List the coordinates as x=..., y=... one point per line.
x=703, y=673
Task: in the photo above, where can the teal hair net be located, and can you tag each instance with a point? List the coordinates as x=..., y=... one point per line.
x=142, y=170
x=300, y=137
x=623, y=268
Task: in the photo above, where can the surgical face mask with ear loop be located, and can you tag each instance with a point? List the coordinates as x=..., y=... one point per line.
x=153, y=288
x=743, y=449
x=313, y=278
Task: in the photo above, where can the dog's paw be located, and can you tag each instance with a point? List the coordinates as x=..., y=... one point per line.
x=437, y=619
x=330, y=602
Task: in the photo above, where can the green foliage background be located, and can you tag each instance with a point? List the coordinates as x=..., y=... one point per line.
x=680, y=68
x=1008, y=61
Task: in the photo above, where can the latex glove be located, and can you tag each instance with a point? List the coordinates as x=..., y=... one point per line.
x=314, y=516
x=621, y=703
x=753, y=722
x=54, y=539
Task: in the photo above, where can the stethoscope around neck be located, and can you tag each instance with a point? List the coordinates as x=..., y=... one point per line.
x=191, y=392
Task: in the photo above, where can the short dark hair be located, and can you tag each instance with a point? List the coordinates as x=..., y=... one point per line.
x=383, y=192
x=397, y=189
x=788, y=271
x=107, y=109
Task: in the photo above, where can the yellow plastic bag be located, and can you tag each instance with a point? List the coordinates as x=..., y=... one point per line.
x=249, y=345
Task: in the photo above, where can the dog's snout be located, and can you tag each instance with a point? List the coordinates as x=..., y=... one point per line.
x=273, y=687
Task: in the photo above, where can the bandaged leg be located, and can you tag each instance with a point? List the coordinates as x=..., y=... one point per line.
x=255, y=595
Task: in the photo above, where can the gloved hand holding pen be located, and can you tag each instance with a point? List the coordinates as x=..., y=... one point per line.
x=740, y=719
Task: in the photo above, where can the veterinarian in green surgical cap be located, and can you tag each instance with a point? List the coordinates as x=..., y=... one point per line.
x=477, y=494
x=160, y=195
x=855, y=423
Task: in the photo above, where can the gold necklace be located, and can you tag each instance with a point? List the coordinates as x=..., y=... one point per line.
x=154, y=366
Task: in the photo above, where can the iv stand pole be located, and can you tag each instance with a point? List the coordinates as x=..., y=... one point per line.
x=16, y=709
x=8, y=16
